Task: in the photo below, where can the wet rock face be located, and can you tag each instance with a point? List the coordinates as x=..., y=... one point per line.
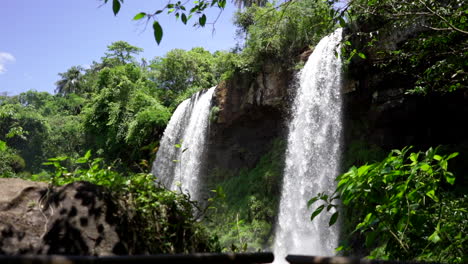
x=76, y=219
x=251, y=113
x=244, y=94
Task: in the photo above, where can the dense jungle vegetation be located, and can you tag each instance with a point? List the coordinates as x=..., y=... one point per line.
x=117, y=110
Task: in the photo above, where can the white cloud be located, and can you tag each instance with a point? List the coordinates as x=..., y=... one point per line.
x=4, y=59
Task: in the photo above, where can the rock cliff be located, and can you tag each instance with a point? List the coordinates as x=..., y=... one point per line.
x=248, y=113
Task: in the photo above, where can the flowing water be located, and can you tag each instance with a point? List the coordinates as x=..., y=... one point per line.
x=179, y=158
x=313, y=154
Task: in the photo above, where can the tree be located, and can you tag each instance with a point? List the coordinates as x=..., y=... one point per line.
x=433, y=56
x=180, y=69
x=70, y=82
x=26, y=131
x=279, y=34
x=123, y=117
x=120, y=52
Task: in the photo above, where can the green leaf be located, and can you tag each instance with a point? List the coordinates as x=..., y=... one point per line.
x=178, y=145
x=333, y=219
x=222, y=3
x=116, y=7
x=139, y=16
x=431, y=194
x=158, y=32
x=453, y=155
x=81, y=160
x=361, y=55
x=342, y=22
x=88, y=154
x=370, y=238
x=184, y=19
x=202, y=20
x=434, y=238
x=449, y=177
x=3, y=145
x=311, y=201
x=317, y=212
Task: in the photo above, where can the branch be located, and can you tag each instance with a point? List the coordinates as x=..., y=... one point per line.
x=443, y=19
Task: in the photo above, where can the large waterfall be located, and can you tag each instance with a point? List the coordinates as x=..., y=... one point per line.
x=313, y=154
x=179, y=158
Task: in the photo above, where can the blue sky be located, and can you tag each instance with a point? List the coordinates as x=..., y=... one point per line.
x=39, y=39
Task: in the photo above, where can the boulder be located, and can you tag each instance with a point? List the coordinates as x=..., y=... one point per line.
x=76, y=219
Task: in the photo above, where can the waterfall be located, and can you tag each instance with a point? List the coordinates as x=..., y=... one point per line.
x=313, y=154
x=179, y=157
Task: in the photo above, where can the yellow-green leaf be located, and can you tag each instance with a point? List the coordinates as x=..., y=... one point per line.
x=139, y=16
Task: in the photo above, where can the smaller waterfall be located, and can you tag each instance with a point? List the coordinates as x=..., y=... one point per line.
x=313, y=155
x=188, y=128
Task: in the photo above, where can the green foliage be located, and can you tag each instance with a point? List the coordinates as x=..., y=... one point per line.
x=182, y=73
x=243, y=207
x=360, y=152
x=10, y=163
x=24, y=130
x=115, y=118
x=280, y=34
x=180, y=69
x=403, y=208
x=214, y=114
x=433, y=57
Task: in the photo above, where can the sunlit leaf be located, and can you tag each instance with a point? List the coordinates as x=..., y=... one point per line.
x=139, y=16
x=3, y=145
x=434, y=238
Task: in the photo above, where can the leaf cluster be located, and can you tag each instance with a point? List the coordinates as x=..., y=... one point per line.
x=403, y=207
x=279, y=33
x=432, y=52
x=243, y=206
x=179, y=9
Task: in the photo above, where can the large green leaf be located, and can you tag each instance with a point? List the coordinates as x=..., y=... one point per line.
x=116, y=7
x=317, y=212
x=333, y=219
x=158, y=32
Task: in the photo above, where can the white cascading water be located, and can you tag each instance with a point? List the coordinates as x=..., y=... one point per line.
x=313, y=155
x=188, y=127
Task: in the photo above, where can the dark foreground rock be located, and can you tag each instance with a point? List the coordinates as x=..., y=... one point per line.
x=76, y=219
